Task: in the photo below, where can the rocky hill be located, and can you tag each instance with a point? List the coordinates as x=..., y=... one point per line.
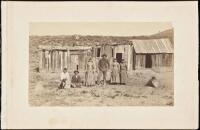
x=165, y=34
x=71, y=40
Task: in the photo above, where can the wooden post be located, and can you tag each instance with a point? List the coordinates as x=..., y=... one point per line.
x=46, y=59
x=41, y=60
x=50, y=60
x=53, y=60
x=136, y=62
x=61, y=60
x=56, y=60
x=128, y=57
x=68, y=59
x=114, y=55
x=65, y=57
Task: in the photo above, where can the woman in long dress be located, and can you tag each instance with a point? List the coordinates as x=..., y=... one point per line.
x=115, y=72
x=123, y=72
x=90, y=69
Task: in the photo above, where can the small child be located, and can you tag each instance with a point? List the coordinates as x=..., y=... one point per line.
x=65, y=79
x=76, y=80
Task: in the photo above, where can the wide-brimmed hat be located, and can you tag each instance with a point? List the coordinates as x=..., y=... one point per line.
x=76, y=71
x=104, y=55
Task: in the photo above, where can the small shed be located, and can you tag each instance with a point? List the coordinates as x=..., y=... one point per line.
x=55, y=58
x=152, y=53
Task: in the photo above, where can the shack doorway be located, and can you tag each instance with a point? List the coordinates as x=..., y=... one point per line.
x=119, y=57
x=148, y=61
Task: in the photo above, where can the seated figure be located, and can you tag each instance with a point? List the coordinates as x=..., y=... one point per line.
x=153, y=82
x=65, y=79
x=76, y=80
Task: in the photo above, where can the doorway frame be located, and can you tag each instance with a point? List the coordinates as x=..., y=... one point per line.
x=148, y=59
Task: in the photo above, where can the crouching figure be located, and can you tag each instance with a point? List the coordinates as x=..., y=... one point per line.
x=153, y=82
x=76, y=80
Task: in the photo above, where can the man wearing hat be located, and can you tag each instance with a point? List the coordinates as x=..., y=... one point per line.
x=76, y=79
x=103, y=66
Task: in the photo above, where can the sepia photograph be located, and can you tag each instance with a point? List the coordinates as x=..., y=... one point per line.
x=101, y=64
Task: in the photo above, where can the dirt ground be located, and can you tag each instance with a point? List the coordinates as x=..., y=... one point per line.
x=43, y=88
x=43, y=91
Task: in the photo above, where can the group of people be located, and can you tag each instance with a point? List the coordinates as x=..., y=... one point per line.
x=97, y=75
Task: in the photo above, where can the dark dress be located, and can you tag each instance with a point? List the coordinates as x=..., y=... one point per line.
x=123, y=73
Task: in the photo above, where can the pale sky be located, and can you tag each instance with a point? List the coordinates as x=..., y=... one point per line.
x=98, y=28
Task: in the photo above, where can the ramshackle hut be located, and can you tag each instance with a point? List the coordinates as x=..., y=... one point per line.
x=55, y=58
x=152, y=53
x=116, y=51
x=139, y=53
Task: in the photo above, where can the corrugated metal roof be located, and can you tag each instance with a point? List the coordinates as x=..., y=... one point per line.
x=152, y=46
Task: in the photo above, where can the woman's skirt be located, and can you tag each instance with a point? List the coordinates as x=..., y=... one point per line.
x=90, y=78
x=115, y=77
x=123, y=76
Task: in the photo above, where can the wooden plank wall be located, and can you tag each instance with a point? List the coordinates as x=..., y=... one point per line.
x=140, y=61
x=167, y=59
x=53, y=60
x=158, y=60
x=161, y=60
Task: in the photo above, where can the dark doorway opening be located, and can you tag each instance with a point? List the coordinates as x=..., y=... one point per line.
x=98, y=52
x=119, y=57
x=148, y=61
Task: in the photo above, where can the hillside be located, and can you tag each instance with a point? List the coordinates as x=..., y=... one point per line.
x=165, y=34
x=71, y=40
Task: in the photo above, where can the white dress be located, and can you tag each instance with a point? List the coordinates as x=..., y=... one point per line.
x=67, y=78
x=90, y=77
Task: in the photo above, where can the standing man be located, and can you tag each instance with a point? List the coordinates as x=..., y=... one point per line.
x=103, y=66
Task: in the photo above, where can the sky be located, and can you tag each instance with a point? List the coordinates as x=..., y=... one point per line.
x=98, y=28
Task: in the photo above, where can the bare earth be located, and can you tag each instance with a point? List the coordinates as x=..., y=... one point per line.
x=43, y=91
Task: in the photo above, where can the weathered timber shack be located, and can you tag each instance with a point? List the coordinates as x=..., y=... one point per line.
x=138, y=54
x=55, y=58
x=152, y=53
